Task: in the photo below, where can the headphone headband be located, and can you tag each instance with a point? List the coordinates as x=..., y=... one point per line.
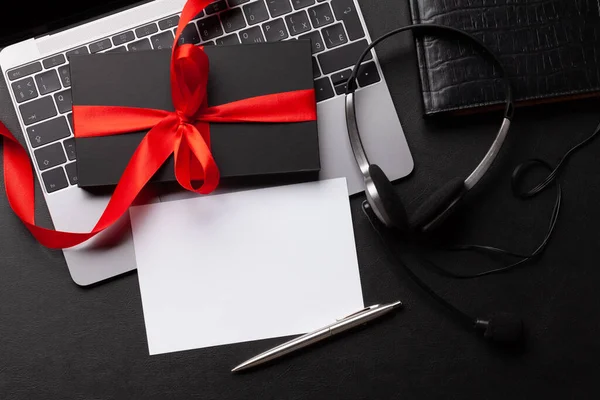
x=451, y=194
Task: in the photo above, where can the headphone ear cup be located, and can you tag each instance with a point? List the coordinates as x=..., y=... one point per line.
x=385, y=202
x=437, y=206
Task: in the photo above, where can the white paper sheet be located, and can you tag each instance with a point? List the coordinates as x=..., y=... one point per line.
x=246, y=266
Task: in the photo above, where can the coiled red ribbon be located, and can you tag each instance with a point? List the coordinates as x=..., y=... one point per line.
x=184, y=133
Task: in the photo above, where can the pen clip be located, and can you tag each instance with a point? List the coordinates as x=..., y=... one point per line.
x=354, y=314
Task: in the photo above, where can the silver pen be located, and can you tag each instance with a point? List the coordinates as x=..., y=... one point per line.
x=341, y=325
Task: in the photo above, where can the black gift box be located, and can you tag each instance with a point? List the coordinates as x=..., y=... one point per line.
x=141, y=79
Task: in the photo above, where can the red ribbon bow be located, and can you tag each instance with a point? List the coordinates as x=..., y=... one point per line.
x=184, y=133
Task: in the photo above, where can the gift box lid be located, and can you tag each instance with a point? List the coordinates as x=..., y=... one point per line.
x=141, y=79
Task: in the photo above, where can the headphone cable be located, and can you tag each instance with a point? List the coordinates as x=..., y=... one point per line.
x=516, y=179
x=517, y=175
x=466, y=319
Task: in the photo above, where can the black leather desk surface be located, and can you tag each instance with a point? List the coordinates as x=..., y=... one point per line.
x=59, y=341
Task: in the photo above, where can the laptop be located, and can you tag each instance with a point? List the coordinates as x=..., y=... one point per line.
x=35, y=65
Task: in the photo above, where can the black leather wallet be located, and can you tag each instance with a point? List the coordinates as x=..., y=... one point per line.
x=550, y=48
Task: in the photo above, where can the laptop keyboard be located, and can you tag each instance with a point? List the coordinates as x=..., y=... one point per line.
x=42, y=88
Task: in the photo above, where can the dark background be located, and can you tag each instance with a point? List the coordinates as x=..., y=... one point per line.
x=58, y=340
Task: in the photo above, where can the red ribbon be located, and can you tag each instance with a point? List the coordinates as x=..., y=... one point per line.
x=184, y=133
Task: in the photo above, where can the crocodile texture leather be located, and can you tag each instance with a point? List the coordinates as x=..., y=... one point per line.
x=550, y=48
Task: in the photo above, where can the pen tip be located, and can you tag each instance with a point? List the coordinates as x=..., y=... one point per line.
x=240, y=367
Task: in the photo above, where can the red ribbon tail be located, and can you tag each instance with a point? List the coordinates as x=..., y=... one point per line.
x=18, y=183
x=182, y=161
x=154, y=150
x=193, y=159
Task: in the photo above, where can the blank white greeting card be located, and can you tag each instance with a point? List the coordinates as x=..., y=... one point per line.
x=247, y=265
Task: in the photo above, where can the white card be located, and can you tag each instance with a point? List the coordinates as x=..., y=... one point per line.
x=246, y=266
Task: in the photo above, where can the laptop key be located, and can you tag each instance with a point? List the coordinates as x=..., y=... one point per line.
x=54, y=180
x=100, y=46
x=163, y=40
x=323, y=89
x=24, y=90
x=228, y=40
x=70, y=118
x=315, y=40
x=120, y=49
x=279, y=7
x=233, y=3
x=50, y=156
x=340, y=88
x=65, y=75
x=48, y=132
x=233, y=20
x=69, y=145
x=78, y=51
x=335, y=35
x=170, y=22
x=345, y=10
x=298, y=4
x=298, y=23
x=368, y=74
x=146, y=30
x=275, y=30
x=123, y=38
x=47, y=82
x=63, y=101
x=24, y=71
x=189, y=35
x=321, y=15
x=252, y=35
x=342, y=57
x=316, y=69
x=143, y=44
x=341, y=77
x=71, y=169
x=54, y=61
x=256, y=12
x=210, y=28
x=37, y=110
x=215, y=7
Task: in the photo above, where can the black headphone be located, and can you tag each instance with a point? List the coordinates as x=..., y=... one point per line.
x=388, y=208
x=382, y=198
